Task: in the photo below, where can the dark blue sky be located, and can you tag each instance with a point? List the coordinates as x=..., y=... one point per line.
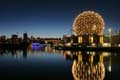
x=52, y=18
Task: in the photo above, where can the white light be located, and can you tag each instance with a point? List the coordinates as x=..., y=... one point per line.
x=110, y=30
x=106, y=44
x=68, y=44
x=109, y=68
x=118, y=45
x=106, y=53
x=93, y=45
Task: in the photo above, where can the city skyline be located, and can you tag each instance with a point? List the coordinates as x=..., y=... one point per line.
x=51, y=18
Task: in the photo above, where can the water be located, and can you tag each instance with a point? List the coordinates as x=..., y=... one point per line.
x=50, y=64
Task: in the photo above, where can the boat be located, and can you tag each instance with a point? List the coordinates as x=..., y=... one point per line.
x=37, y=45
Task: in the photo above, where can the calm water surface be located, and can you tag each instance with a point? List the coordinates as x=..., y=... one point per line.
x=51, y=64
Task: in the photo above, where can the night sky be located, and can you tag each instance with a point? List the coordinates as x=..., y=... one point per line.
x=52, y=18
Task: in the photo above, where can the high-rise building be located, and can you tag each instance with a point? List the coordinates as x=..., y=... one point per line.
x=25, y=38
x=15, y=39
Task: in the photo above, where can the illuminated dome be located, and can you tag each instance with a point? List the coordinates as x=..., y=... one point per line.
x=88, y=22
x=87, y=71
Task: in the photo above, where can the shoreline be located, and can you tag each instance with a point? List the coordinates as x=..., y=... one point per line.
x=75, y=48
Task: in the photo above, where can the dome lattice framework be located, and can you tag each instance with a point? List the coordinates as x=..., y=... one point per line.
x=88, y=22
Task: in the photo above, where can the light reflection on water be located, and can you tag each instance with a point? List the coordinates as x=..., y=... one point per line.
x=53, y=64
